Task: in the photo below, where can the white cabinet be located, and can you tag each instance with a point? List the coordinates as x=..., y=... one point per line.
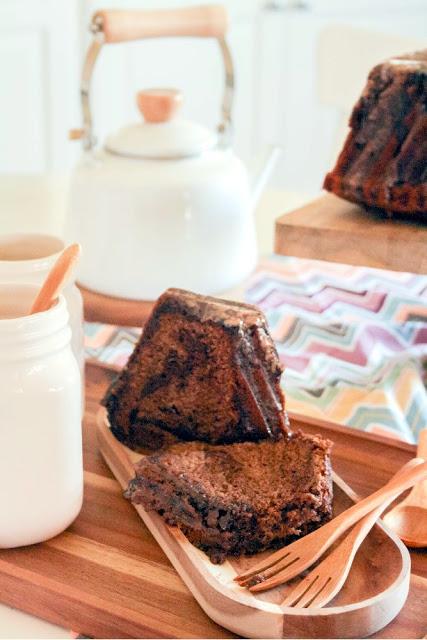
x=23, y=124
x=38, y=71
x=287, y=63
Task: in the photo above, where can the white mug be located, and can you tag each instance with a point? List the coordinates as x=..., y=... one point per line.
x=41, y=467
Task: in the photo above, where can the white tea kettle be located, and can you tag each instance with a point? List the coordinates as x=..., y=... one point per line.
x=165, y=202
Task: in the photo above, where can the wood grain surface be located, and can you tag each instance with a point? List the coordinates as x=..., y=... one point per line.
x=107, y=577
x=371, y=597
x=332, y=229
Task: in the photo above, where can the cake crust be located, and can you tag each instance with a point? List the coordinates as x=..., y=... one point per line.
x=240, y=498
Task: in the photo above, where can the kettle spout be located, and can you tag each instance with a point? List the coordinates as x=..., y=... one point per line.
x=262, y=171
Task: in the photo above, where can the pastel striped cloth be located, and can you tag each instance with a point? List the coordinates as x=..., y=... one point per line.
x=353, y=342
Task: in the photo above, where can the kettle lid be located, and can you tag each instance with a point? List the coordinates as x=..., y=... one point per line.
x=161, y=135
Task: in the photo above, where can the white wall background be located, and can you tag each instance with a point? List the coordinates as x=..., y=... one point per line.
x=299, y=66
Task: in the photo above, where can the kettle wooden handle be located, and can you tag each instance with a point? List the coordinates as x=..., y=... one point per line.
x=120, y=25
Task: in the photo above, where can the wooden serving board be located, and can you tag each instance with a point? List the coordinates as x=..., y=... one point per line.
x=107, y=577
x=372, y=596
x=99, y=307
x=332, y=229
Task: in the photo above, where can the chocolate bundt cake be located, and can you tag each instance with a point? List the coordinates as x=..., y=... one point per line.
x=238, y=498
x=204, y=369
x=383, y=163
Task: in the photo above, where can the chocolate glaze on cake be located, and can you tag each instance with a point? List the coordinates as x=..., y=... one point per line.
x=238, y=498
x=204, y=369
x=383, y=163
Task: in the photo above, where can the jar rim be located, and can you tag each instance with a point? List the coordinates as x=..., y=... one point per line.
x=8, y=240
x=57, y=309
x=29, y=336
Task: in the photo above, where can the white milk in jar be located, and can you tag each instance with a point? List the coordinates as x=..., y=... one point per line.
x=41, y=470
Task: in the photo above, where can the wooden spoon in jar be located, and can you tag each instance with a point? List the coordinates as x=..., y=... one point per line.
x=56, y=279
x=409, y=518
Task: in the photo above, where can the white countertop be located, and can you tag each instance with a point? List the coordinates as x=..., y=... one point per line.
x=38, y=204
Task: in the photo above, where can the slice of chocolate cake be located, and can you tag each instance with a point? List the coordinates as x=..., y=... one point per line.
x=238, y=498
x=383, y=163
x=204, y=369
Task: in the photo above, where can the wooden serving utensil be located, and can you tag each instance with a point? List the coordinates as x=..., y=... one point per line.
x=291, y=560
x=409, y=518
x=323, y=582
x=56, y=279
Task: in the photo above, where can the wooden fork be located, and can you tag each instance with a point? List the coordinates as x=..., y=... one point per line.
x=325, y=581
x=292, y=560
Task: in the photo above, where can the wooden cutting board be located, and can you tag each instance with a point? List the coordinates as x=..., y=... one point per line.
x=332, y=229
x=107, y=577
x=371, y=597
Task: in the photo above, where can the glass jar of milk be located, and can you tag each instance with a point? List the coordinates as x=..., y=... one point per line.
x=28, y=258
x=41, y=470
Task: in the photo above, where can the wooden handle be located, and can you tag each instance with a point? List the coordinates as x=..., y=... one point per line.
x=361, y=530
x=120, y=25
x=402, y=480
x=418, y=495
x=76, y=134
x=422, y=445
x=56, y=279
x=413, y=472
